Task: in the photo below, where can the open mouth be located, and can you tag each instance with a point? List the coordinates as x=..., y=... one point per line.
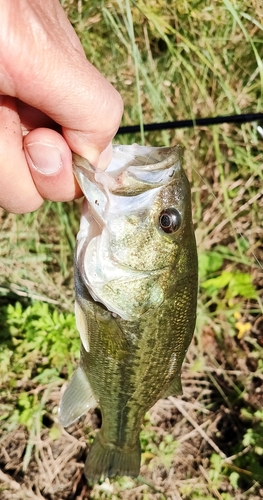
x=130, y=181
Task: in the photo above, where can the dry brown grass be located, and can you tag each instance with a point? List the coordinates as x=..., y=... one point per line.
x=195, y=60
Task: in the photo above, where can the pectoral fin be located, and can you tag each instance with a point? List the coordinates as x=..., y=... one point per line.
x=77, y=399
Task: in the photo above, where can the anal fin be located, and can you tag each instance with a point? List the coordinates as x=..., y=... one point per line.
x=174, y=388
x=77, y=399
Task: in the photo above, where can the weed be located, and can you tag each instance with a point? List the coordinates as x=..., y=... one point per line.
x=43, y=341
x=169, y=61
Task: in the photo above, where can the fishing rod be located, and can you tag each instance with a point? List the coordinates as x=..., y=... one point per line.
x=197, y=122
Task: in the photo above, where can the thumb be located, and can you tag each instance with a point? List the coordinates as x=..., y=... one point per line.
x=100, y=114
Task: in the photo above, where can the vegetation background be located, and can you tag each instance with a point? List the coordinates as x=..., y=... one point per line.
x=170, y=60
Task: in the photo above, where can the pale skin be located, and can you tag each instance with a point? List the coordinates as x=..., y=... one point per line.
x=52, y=101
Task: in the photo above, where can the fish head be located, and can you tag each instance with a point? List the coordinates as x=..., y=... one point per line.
x=136, y=239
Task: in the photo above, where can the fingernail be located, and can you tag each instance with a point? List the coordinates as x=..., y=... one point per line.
x=46, y=158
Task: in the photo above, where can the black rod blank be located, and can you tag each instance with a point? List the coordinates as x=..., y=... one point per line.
x=197, y=122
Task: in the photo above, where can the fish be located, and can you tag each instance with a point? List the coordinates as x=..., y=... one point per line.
x=136, y=282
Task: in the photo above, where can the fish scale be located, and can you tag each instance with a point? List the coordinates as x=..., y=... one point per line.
x=135, y=314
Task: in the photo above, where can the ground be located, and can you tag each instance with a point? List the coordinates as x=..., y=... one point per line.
x=198, y=59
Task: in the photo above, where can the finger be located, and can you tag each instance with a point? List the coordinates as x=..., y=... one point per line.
x=32, y=118
x=58, y=78
x=18, y=192
x=50, y=161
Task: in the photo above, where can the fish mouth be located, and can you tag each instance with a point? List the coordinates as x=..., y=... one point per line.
x=134, y=176
x=138, y=168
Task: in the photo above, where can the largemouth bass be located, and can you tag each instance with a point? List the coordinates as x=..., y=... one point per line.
x=136, y=292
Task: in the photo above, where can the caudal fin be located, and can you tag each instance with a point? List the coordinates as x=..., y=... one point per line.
x=106, y=460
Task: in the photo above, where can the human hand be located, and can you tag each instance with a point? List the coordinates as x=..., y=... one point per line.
x=52, y=100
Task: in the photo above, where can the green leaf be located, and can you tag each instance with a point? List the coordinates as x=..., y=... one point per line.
x=209, y=262
x=234, y=478
x=47, y=375
x=241, y=284
x=238, y=284
x=218, y=282
x=55, y=432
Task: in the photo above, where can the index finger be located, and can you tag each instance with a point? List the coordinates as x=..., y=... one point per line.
x=52, y=74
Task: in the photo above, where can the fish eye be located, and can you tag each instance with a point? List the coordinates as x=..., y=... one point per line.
x=170, y=220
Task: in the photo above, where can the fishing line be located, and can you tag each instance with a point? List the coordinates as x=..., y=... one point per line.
x=197, y=122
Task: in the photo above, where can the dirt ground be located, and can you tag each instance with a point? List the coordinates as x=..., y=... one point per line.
x=202, y=423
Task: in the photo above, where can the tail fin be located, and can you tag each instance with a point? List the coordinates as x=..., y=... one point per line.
x=105, y=459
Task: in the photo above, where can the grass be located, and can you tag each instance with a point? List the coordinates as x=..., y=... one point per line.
x=174, y=60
